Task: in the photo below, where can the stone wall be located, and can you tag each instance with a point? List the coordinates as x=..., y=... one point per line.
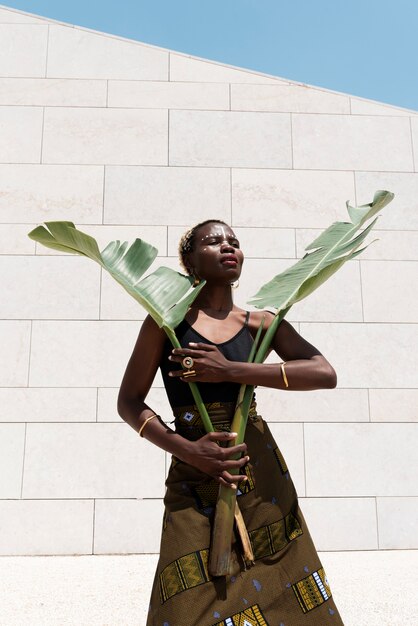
x=128, y=140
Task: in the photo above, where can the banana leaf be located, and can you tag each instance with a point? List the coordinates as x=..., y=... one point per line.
x=165, y=294
x=324, y=256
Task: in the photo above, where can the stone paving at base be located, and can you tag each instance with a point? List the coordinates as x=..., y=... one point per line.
x=370, y=588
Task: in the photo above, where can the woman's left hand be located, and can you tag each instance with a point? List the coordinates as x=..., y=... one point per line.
x=209, y=364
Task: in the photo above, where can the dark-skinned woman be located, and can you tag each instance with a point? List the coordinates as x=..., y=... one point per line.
x=287, y=585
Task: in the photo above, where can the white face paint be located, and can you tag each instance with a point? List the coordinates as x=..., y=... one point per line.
x=220, y=233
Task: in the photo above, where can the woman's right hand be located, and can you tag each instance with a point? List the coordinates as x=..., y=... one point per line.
x=206, y=455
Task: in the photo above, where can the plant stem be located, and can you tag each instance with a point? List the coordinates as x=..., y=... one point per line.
x=220, y=552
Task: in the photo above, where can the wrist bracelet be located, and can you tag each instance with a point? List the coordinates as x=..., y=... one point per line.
x=284, y=374
x=151, y=417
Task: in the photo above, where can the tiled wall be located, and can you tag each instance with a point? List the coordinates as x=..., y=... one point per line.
x=129, y=140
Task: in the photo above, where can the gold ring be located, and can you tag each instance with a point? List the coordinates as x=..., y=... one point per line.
x=188, y=362
x=188, y=373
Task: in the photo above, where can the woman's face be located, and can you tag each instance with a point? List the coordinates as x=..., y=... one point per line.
x=217, y=256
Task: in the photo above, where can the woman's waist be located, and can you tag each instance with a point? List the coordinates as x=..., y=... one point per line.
x=188, y=421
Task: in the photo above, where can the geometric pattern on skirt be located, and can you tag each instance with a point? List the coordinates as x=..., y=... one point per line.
x=191, y=570
x=312, y=591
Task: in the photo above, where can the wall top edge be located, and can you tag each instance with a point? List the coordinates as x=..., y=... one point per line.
x=279, y=79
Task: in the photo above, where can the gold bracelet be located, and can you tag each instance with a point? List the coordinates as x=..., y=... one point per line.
x=151, y=417
x=284, y=374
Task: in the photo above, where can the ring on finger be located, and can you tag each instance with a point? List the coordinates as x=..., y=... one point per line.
x=188, y=362
x=189, y=373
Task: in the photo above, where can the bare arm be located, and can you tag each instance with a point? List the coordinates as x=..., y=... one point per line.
x=205, y=454
x=306, y=367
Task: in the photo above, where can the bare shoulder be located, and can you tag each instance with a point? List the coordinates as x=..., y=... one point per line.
x=258, y=317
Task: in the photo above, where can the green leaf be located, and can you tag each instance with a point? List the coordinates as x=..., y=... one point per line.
x=165, y=295
x=325, y=255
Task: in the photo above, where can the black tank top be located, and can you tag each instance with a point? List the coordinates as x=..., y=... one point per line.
x=237, y=348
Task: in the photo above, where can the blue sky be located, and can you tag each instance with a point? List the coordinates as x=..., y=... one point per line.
x=367, y=48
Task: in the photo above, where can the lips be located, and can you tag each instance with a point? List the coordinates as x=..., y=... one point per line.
x=229, y=259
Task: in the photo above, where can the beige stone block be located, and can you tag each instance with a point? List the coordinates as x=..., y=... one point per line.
x=107, y=404
x=255, y=243
x=41, y=527
x=388, y=245
x=398, y=523
x=360, y=459
x=116, y=303
x=291, y=198
x=51, y=192
x=20, y=134
x=289, y=438
x=52, y=92
x=108, y=136
x=166, y=195
x=80, y=353
x=11, y=16
x=351, y=142
x=321, y=405
x=49, y=287
x=15, y=348
x=230, y=139
x=23, y=49
x=361, y=353
x=402, y=212
x=47, y=405
x=12, y=442
x=392, y=245
x=337, y=300
x=341, y=523
x=75, y=53
x=127, y=526
x=168, y=95
x=14, y=239
x=265, y=243
x=369, y=107
x=104, y=234
x=388, y=295
x=90, y=461
x=393, y=405
x=189, y=69
x=414, y=133
x=287, y=98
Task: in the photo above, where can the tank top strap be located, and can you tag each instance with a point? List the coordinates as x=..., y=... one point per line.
x=247, y=318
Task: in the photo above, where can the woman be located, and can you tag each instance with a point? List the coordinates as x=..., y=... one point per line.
x=287, y=585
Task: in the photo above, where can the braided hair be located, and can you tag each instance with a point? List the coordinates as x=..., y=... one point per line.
x=187, y=241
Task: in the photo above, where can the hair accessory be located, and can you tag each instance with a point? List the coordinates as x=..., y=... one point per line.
x=151, y=417
x=284, y=374
x=188, y=362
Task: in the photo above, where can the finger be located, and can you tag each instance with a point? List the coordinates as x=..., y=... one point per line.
x=176, y=373
x=182, y=352
x=230, y=464
x=238, y=450
x=232, y=478
x=223, y=482
x=206, y=347
x=222, y=435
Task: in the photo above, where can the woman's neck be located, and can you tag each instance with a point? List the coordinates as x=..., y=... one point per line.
x=214, y=298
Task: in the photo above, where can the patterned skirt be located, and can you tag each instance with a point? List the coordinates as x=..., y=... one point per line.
x=287, y=585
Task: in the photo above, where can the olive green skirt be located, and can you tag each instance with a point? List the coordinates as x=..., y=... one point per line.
x=286, y=586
